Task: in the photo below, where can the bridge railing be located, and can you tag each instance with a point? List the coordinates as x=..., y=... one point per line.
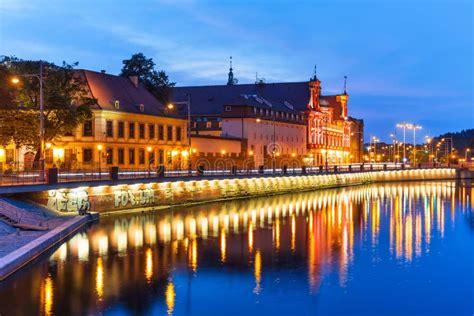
x=54, y=175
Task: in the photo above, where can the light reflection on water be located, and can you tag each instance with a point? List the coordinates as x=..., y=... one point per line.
x=324, y=242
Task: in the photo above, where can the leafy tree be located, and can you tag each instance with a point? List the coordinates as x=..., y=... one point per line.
x=157, y=82
x=66, y=102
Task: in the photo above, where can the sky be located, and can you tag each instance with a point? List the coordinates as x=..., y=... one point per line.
x=406, y=60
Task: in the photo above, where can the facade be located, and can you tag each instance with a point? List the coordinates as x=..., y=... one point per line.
x=278, y=120
x=129, y=129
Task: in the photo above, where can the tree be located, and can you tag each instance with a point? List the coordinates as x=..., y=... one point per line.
x=156, y=82
x=65, y=99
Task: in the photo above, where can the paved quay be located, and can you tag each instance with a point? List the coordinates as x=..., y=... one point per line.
x=18, y=247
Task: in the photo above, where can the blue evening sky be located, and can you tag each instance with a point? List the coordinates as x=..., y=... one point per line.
x=406, y=60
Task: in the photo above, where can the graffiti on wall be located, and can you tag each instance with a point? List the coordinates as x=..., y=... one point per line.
x=68, y=201
x=123, y=198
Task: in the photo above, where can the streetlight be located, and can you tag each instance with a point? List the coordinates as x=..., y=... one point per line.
x=149, y=149
x=39, y=76
x=414, y=127
x=171, y=106
x=404, y=126
x=99, y=148
x=465, y=153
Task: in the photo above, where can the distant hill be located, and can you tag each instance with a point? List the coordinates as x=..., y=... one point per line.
x=461, y=140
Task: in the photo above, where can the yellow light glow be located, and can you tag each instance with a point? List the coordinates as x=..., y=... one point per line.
x=99, y=279
x=170, y=106
x=258, y=120
x=251, y=153
x=149, y=265
x=149, y=149
x=194, y=150
x=100, y=147
x=2, y=152
x=170, y=297
x=223, y=151
x=48, y=295
x=174, y=153
x=293, y=155
x=15, y=80
x=48, y=145
x=184, y=153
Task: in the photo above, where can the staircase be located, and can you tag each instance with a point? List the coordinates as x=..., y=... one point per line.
x=20, y=218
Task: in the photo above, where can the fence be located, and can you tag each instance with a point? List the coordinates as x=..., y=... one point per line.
x=54, y=175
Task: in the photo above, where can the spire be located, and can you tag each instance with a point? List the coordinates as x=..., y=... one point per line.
x=345, y=84
x=315, y=77
x=230, y=80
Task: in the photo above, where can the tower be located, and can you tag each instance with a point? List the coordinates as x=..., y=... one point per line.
x=315, y=92
x=230, y=79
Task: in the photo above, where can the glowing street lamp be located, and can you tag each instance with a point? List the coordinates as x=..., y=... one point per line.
x=414, y=127
x=187, y=103
x=99, y=148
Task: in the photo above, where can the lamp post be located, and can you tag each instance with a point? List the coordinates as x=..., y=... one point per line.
x=187, y=103
x=39, y=76
x=465, y=153
x=404, y=126
x=414, y=127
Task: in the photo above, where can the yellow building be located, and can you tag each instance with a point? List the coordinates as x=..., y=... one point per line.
x=129, y=128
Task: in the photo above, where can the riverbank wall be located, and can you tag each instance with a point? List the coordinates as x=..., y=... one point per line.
x=109, y=197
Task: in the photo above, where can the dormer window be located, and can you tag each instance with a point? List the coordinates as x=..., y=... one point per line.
x=117, y=104
x=142, y=108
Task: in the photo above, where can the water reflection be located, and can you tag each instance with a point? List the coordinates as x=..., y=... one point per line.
x=129, y=256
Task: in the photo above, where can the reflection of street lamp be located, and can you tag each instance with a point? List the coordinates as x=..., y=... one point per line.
x=99, y=148
x=39, y=76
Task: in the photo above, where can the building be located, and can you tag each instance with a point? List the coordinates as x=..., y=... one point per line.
x=278, y=121
x=129, y=128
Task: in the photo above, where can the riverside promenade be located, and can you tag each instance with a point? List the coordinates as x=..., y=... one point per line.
x=54, y=207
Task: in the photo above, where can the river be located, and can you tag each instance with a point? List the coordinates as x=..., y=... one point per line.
x=383, y=249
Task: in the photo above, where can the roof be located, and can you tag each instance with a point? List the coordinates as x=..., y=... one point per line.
x=211, y=99
x=258, y=101
x=108, y=89
x=207, y=100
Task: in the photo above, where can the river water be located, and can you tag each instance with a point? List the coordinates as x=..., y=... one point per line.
x=387, y=249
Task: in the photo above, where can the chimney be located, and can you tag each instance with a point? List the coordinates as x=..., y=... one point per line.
x=102, y=71
x=134, y=80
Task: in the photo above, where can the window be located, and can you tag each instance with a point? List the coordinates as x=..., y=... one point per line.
x=208, y=124
x=117, y=104
x=142, y=108
x=141, y=131
x=151, y=131
x=48, y=153
x=161, y=132
x=121, y=129
x=110, y=156
x=170, y=133
x=121, y=156
x=141, y=156
x=161, y=157
x=87, y=131
x=178, y=134
x=228, y=108
x=87, y=155
x=109, y=129
x=131, y=156
x=131, y=130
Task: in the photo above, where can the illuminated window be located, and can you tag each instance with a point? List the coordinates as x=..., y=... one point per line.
x=169, y=133
x=48, y=153
x=161, y=132
x=178, y=134
x=87, y=155
x=141, y=130
x=161, y=156
x=121, y=129
x=131, y=156
x=117, y=104
x=141, y=156
x=121, y=156
x=110, y=156
x=151, y=131
x=87, y=128
x=131, y=130
x=109, y=129
x=208, y=124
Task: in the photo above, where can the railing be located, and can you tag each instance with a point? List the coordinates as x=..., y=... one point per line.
x=63, y=176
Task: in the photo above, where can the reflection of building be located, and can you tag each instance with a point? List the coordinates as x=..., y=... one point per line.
x=129, y=129
x=296, y=121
